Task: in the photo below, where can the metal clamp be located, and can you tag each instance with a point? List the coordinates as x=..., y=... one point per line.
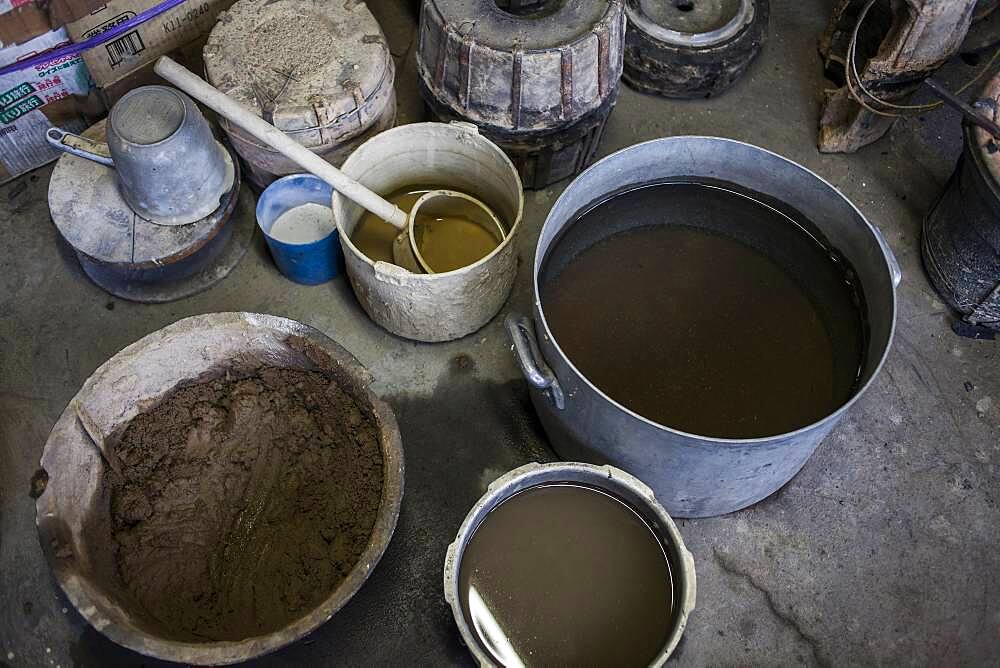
x=529, y=356
x=465, y=125
x=969, y=112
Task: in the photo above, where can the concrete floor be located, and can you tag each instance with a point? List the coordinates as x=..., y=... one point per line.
x=883, y=550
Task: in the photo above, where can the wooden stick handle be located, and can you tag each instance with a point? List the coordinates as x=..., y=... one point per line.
x=229, y=108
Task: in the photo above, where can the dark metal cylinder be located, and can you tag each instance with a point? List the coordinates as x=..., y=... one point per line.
x=961, y=235
x=538, y=77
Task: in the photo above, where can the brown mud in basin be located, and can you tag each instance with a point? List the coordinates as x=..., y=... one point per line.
x=220, y=488
x=243, y=502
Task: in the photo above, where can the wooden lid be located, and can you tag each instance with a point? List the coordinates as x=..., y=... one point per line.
x=301, y=64
x=537, y=71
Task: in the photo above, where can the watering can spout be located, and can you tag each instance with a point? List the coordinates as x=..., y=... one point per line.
x=67, y=142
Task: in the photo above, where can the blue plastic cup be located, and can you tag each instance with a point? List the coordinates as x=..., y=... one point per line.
x=308, y=263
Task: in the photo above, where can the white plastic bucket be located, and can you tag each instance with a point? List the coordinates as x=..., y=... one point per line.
x=445, y=306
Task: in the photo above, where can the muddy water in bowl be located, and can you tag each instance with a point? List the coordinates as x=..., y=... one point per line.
x=566, y=574
x=707, y=309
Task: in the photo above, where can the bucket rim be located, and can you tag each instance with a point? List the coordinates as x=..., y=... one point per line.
x=288, y=178
x=830, y=418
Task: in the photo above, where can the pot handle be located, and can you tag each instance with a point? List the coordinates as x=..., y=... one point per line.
x=894, y=270
x=67, y=142
x=529, y=356
x=691, y=599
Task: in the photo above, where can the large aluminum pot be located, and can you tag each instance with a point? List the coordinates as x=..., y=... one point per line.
x=692, y=475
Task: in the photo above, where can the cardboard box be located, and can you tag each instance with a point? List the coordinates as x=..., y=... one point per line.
x=66, y=11
x=35, y=99
x=22, y=23
x=7, y=5
x=146, y=42
x=188, y=55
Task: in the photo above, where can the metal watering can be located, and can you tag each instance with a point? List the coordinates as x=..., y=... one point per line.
x=170, y=168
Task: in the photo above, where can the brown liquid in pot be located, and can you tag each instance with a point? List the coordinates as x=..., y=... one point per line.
x=706, y=311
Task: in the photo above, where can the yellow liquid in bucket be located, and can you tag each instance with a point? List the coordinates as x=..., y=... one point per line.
x=452, y=242
x=446, y=243
x=373, y=236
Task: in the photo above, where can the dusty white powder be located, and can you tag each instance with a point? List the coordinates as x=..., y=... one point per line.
x=303, y=224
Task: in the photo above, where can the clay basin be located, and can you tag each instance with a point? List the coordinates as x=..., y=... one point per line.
x=75, y=513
